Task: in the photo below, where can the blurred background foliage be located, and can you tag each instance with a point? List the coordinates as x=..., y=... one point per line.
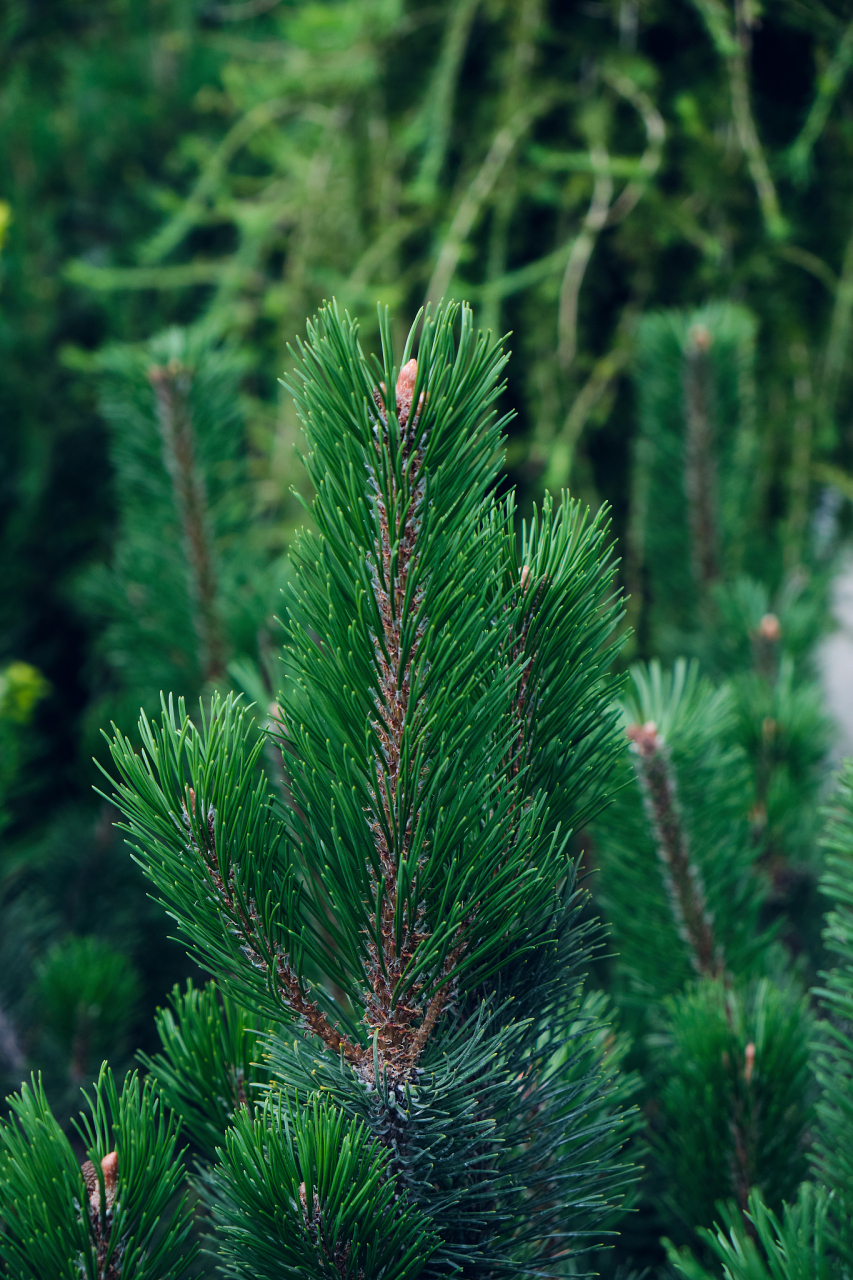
x=654, y=196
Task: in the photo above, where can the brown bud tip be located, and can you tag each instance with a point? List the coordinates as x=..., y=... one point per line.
x=770, y=628
x=757, y=815
x=700, y=337
x=525, y=577
x=644, y=737
x=406, y=390
x=192, y=799
x=109, y=1165
x=749, y=1063
x=406, y=381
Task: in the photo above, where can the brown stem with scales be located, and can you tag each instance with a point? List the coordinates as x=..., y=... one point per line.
x=260, y=952
x=101, y=1215
x=401, y=1025
x=171, y=385
x=700, y=466
x=681, y=876
x=400, y=1021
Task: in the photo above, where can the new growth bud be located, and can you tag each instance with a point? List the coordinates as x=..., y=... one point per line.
x=700, y=337
x=406, y=391
x=109, y=1169
x=644, y=737
x=770, y=628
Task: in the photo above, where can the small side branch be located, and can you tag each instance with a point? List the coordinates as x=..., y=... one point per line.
x=732, y=40
x=171, y=385
x=593, y=223
x=246, y=923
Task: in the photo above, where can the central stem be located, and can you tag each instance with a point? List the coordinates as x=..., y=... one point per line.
x=397, y=1017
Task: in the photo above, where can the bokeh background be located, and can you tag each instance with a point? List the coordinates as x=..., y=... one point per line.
x=654, y=198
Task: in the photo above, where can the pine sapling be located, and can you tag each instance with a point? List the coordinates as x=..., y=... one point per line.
x=440, y=1098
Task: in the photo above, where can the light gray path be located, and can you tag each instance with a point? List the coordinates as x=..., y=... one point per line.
x=835, y=658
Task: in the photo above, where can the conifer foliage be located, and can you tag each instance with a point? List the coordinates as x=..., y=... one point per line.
x=190, y=585
x=118, y=1214
x=407, y=919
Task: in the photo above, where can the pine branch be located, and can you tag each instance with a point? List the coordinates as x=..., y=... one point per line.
x=449, y=720
x=171, y=385
x=686, y=813
x=208, y=1066
x=681, y=876
x=118, y=1217
x=243, y=919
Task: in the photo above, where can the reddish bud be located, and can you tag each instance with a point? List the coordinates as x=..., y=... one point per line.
x=406, y=391
x=644, y=737
x=700, y=337
x=109, y=1165
x=750, y=1062
x=770, y=628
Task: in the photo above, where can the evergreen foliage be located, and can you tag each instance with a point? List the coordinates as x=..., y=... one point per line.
x=735, y=1084
x=653, y=197
x=115, y=1215
x=306, y=1193
x=88, y=993
x=209, y=1067
x=675, y=847
x=696, y=454
x=190, y=584
x=414, y=911
x=760, y=1246
x=724, y=1034
x=813, y=1236
x=833, y=1159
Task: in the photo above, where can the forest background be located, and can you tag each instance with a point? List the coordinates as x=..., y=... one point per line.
x=209, y=173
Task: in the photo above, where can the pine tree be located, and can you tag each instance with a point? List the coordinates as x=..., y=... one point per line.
x=812, y=1238
x=437, y=1096
x=722, y=1030
x=192, y=579
x=714, y=586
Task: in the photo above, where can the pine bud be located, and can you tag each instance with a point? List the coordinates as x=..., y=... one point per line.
x=406, y=391
x=109, y=1169
x=700, y=337
x=91, y=1180
x=750, y=1062
x=769, y=628
x=644, y=737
